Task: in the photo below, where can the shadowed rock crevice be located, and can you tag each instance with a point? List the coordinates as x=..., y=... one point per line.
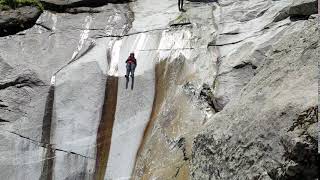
x=47, y=118
x=104, y=133
x=44, y=145
x=44, y=26
x=29, y=80
x=181, y=143
x=245, y=64
x=47, y=167
x=63, y=6
x=207, y=95
x=3, y=106
x=2, y=120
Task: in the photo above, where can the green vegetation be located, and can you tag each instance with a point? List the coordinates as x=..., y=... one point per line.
x=12, y=4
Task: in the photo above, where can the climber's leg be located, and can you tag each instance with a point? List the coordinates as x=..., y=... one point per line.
x=181, y=7
x=128, y=70
x=133, y=68
x=127, y=75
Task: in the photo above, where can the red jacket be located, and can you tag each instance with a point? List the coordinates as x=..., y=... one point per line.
x=131, y=60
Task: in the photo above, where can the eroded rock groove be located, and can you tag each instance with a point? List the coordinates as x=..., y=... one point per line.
x=104, y=133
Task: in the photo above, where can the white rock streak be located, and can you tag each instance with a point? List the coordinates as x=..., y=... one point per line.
x=83, y=36
x=54, y=20
x=113, y=71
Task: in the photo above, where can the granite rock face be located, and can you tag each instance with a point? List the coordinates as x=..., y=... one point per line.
x=263, y=132
x=49, y=127
x=267, y=81
x=225, y=90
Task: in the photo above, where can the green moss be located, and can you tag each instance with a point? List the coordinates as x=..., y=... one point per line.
x=12, y=4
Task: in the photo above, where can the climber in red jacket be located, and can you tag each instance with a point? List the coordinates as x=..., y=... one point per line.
x=131, y=66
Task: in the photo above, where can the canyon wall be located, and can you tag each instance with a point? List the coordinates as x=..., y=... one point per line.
x=224, y=90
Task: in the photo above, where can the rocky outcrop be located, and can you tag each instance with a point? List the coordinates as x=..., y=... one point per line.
x=257, y=135
x=298, y=10
x=15, y=20
x=18, y=19
x=47, y=136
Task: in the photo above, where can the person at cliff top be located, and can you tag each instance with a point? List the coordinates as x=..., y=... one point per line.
x=180, y=5
x=131, y=65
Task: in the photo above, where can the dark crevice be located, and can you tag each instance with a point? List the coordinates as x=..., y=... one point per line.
x=47, y=167
x=166, y=49
x=22, y=81
x=129, y=34
x=182, y=145
x=44, y=26
x=180, y=24
x=218, y=45
x=2, y=120
x=3, y=106
x=178, y=170
x=44, y=145
x=206, y=94
x=47, y=118
x=82, y=53
x=80, y=11
x=84, y=3
x=244, y=64
x=262, y=13
x=74, y=153
x=230, y=33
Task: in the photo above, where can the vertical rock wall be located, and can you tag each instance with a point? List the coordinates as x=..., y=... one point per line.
x=225, y=90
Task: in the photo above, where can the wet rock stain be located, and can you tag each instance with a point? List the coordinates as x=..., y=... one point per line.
x=47, y=168
x=104, y=133
x=160, y=92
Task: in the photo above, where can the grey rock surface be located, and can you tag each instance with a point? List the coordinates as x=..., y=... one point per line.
x=263, y=132
x=224, y=90
x=67, y=51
